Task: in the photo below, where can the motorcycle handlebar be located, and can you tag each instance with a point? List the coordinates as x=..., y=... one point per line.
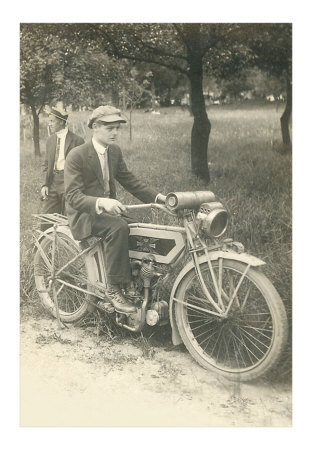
x=176, y=201
x=150, y=205
x=141, y=206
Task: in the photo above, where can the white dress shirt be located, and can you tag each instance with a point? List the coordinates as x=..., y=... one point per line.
x=101, y=151
x=60, y=163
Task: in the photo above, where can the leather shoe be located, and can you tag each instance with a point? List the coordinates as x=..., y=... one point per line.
x=118, y=301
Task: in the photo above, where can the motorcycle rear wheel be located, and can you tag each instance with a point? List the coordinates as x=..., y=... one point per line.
x=246, y=344
x=73, y=304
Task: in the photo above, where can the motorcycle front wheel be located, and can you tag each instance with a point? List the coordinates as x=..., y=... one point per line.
x=246, y=343
x=72, y=303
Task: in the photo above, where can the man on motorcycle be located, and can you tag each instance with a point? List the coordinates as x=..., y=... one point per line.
x=91, y=204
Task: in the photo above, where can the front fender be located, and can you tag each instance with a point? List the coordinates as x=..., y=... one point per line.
x=214, y=256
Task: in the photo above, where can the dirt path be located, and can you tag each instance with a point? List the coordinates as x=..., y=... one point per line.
x=74, y=378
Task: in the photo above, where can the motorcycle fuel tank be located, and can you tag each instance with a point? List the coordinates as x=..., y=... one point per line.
x=164, y=242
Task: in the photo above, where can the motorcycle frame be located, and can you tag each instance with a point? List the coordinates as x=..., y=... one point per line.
x=195, y=246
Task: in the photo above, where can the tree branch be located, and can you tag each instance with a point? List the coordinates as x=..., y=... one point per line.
x=149, y=59
x=141, y=44
x=162, y=53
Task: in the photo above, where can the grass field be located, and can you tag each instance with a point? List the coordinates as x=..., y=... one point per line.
x=248, y=174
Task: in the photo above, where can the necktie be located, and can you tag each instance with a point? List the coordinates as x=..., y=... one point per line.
x=57, y=151
x=105, y=172
x=106, y=175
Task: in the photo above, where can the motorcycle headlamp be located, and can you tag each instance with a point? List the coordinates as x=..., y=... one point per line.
x=212, y=219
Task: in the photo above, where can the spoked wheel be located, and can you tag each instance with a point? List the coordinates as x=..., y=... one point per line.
x=72, y=303
x=247, y=341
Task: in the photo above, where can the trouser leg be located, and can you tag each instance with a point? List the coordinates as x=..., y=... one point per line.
x=116, y=253
x=54, y=202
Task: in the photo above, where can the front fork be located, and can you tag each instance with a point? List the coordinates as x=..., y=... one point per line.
x=197, y=245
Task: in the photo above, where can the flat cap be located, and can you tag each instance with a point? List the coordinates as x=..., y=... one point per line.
x=107, y=114
x=56, y=113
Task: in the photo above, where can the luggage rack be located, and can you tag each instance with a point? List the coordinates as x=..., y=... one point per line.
x=49, y=219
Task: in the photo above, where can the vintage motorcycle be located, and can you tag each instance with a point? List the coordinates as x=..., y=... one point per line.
x=221, y=306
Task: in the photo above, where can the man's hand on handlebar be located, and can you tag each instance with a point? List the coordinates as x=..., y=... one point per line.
x=111, y=206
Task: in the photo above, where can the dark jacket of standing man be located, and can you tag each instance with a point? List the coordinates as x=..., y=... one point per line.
x=91, y=204
x=58, y=145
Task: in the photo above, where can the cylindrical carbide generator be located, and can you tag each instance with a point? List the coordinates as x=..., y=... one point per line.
x=191, y=200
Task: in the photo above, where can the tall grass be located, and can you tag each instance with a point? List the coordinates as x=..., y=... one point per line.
x=247, y=174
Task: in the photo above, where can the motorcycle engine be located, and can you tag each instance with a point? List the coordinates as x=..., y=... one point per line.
x=158, y=313
x=146, y=276
x=143, y=272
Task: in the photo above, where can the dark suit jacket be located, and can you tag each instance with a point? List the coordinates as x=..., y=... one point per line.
x=71, y=141
x=84, y=184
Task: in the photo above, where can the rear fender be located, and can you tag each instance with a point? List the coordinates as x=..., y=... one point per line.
x=60, y=229
x=214, y=256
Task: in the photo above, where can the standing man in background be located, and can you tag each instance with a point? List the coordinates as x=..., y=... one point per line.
x=58, y=146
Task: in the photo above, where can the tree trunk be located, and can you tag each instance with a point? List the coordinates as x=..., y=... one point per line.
x=124, y=104
x=36, y=131
x=286, y=115
x=115, y=96
x=153, y=104
x=130, y=123
x=201, y=126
